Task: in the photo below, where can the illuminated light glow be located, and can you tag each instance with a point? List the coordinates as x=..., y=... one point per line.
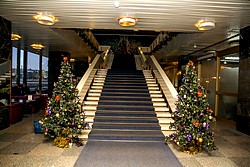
x=204, y=25
x=45, y=18
x=15, y=37
x=127, y=21
x=232, y=58
x=37, y=46
x=117, y=4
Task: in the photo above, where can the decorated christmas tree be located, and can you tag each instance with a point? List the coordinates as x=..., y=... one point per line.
x=193, y=116
x=64, y=119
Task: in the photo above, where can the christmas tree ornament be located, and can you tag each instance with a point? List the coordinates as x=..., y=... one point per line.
x=65, y=59
x=199, y=93
x=57, y=114
x=200, y=140
x=58, y=97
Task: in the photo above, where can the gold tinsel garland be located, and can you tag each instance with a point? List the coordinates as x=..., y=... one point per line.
x=194, y=147
x=61, y=142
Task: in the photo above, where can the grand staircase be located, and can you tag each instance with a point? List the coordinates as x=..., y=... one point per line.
x=125, y=105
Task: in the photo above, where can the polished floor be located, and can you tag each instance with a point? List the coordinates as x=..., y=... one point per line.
x=21, y=147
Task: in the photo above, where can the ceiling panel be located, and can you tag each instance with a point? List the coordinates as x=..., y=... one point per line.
x=160, y=15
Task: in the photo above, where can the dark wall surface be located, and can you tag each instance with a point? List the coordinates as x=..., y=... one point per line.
x=243, y=113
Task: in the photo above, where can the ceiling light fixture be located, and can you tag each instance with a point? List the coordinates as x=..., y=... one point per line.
x=127, y=21
x=37, y=46
x=117, y=4
x=204, y=25
x=45, y=18
x=15, y=37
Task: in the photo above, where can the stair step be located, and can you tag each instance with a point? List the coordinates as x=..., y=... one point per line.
x=165, y=120
x=163, y=114
x=96, y=87
x=94, y=94
x=126, y=98
x=132, y=82
x=127, y=135
x=95, y=90
x=158, y=99
x=161, y=109
x=154, y=91
x=125, y=93
x=153, y=88
x=126, y=126
x=89, y=98
x=155, y=95
x=126, y=113
x=98, y=84
x=106, y=90
x=125, y=107
x=89, y=108
x=91, y=103
x=159, y=104
x=89, y=113
x=125, y=119
x=125, y=86
x=128, y=103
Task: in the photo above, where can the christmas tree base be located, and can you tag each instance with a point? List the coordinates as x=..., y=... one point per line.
x=61, y=142
x=192, y=147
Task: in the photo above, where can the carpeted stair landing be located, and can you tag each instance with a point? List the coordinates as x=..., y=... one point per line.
x=127, y=154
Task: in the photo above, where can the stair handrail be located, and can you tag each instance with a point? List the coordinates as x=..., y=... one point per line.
x=107, y=58
x=94, y=64
x=4, y=67
x=170, y=93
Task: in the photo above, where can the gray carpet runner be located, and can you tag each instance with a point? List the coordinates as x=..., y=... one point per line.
x=125, y=110
x=126, y=131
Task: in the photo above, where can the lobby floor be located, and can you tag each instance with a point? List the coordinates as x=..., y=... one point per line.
x=21, y=147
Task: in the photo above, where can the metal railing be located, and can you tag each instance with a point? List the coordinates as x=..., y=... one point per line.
x=166, y=86
x=100, y=61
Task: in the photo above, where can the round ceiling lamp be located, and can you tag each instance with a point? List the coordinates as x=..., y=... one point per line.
x=204, y=25
x=37, y=46
x=127, y=21
x=15, y=37
x=45, y=18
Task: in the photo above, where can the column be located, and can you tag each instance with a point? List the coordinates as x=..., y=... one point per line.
x=243, y=117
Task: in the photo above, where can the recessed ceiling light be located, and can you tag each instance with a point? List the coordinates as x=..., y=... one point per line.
x=45, y=18
x=37, y=46
x=117, y=4
x=15, y=37
x=127, y=21
x=204, y=25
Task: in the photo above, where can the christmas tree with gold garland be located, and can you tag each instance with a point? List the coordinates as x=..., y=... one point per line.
x=64, y=119
x=193, y=116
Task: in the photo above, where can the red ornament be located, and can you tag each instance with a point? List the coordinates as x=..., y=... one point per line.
x=58, y=97
x=199, y=93
x=46, y=112
x=196, y=124
x=65, y=59
x=190, y=63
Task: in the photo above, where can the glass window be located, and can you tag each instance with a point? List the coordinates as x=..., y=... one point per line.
x=208, y=80
x=14, y=64
x=228, y=85
x=44, y=74
x=32, y=71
